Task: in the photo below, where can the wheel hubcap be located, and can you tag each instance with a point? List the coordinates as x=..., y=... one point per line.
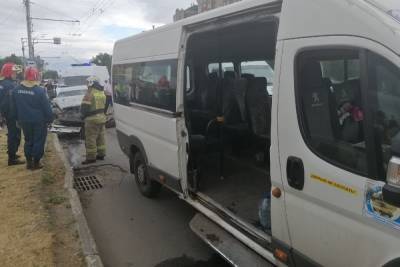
x=141, y=174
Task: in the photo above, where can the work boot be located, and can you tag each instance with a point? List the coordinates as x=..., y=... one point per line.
x=15, y=161
x=88, y=161
x=37, y=165
x=100, y=157
x=29, y=164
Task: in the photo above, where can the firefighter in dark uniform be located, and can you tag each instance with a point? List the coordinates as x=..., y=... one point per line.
x=92, y=110
x=7, y=84
x=33, y=112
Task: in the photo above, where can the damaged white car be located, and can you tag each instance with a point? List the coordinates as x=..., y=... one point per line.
x=66, y=105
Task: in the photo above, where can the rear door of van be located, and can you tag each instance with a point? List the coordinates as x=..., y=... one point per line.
x=338, y=113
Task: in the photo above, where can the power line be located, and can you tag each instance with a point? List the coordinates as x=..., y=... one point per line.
x=53, y=10
x=105, y=5
x=92, y=11
x=61, y=20
x=29, y=19
x=100, y=9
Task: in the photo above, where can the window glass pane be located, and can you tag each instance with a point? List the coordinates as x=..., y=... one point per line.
x=333, y=70
x=259, y=69
x=213, y=68
x=122, y=78
x=227, y=66
x=150, y=83
x=155, y=84
x=340, y=70
x=387, y=84
x=331, y=105
x=353, y=69
x=75, y=80
x=188, y=80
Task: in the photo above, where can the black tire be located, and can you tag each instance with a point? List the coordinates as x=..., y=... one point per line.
x=147, y=187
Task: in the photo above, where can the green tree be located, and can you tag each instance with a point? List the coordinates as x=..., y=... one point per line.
x=13, y=58
x=50, y=74
x=103, y=59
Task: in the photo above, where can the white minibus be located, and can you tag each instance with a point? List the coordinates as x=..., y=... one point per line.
x=278, y=121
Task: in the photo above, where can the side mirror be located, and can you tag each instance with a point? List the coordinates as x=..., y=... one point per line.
x=391, y=190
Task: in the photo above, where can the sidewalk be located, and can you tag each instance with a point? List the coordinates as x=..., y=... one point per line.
x=36, y=223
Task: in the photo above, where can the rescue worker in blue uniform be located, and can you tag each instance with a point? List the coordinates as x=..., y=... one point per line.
x=92, y=110
x=33, y=112
x=7, y=84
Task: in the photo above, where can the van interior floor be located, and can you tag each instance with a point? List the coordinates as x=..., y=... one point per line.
x=241, y=188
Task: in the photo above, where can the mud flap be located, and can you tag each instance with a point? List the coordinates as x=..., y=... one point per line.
x=231, y=249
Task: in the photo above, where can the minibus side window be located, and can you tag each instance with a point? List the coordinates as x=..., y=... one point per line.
x=147, y=83
x=332, y=114
x=122, y=77
x=259, y=69
x=189, y=87
x=213, y=68
x=227, y=66
x=221, y=68
x=385, y=82
x=155, y=83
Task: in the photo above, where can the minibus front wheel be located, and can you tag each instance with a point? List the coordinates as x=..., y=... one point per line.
x=147, y=186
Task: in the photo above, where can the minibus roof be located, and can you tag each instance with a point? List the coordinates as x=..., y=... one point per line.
x=164, y=42
x=306, y=18
x=299, y=19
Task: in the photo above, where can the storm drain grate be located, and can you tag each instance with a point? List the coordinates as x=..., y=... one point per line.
x=87, y=183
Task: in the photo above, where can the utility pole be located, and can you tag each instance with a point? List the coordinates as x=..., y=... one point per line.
x=29, y=28
x=32, y=41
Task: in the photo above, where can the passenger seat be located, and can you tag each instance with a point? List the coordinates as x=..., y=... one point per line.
x=319, y=104
x=258, y=107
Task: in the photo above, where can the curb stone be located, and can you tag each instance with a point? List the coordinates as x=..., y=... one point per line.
x=88, y=244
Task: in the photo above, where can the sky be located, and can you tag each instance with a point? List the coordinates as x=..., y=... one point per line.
x=102, y=22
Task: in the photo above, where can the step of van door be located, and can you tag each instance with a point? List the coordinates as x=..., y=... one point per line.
x=234, y=251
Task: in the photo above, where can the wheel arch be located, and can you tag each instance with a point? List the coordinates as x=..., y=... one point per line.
x=131, y=145
x=393, y=263
x=136, y=146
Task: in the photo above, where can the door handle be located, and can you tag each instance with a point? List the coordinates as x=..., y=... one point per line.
x=295, y=173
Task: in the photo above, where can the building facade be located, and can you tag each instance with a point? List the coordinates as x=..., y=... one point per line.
x=205, y=5
x=184, y=13
x=202, y=6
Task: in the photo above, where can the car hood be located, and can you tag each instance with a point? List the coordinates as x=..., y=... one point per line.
x=68, y=102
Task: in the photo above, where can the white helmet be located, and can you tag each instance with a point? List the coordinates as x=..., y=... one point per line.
x=92, y=80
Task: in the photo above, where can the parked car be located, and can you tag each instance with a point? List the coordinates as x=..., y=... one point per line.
x=314, y=135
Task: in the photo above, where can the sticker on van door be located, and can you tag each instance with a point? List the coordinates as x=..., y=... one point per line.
x=376, y=208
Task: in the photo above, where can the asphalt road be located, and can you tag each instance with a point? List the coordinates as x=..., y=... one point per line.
x=131, y=230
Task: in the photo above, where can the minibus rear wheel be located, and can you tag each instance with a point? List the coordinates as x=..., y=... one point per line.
x=148, y=187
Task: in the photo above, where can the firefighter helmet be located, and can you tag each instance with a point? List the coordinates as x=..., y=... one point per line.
x=92, y=80
x=8, y=70
x=31, y=74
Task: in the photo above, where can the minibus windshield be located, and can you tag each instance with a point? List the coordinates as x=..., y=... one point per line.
x=391, y=7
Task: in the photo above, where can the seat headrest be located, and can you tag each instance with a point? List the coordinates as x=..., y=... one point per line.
x=312, y=74
x=230, y=74
x=213, y=76
x=260, y=83
x=248, y=76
